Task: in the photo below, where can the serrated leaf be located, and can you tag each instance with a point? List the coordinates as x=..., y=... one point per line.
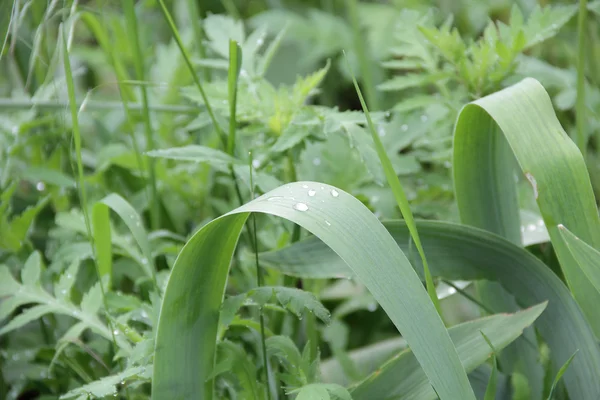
x=219, y=29
x=195, y=153
x=323, y=391
x=410, y=81
x=31, y=314
x=92, y=300
x=296, y=300
x=62, y=289
x=107, y=385
x=8, y=284
x=30, y=275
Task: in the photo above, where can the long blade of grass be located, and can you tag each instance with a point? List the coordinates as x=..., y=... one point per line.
x=185, y=344
x=474, y=350
x=520, y=119
x=588, y=258
x=560, y=373
x=399, y=195
x=235, y=64
x=188, y=62
x=460, y=252
x=580, y=114
x=490, y=391
x=138, y=60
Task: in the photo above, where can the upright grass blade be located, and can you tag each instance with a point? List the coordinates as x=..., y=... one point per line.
x=401, y=377
x=188, y=62
x=235, y=64
x=460, y=252
x=185, y=343
x=588, y=258
x=138, y=60
x=399, y=195
x=102, y=242
x=560, y=373
x=520, y=118
x=580, y=114
x=81, y=177
x=490, y=391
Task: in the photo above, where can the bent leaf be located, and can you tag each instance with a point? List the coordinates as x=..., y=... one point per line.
x=187, y=331
x=457, y=252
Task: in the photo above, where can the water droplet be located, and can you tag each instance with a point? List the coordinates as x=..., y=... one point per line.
x=132, y=216
x=63, y=292
x=447, y=164
x=305, y=186
x=259, y=42
x=69, y=276
x=312, y=192
x=322, y=187
x=255, y=163
x=374, y=199
x=15, y=357
x=334, y=193
x=273, y=198
x=451, y=290
x=243, y=73
x=144, y=314
x=541, y=222
x=404, y=128
x=328, y=223
x=116, y=332
x=75, y=314
x=424, y=118
x=316, y=161
x=144, y=261
x=372, y=307
x=300, y=207
x=531, y=227
x=40, y=186
x=138, y=223
x=380, y=131
x=387, y=114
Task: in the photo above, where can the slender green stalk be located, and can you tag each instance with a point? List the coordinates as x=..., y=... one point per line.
x=580, y=102
x=366, y=73
x=18, y=104
x=235, y=63
x=138, y=59
x=81, y=177
x=188, y=62
x=399, y=194
x=231, y=9
x=195, y=18
x=259, y=283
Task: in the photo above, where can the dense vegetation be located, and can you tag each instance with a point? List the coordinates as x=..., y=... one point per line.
x=289, y=199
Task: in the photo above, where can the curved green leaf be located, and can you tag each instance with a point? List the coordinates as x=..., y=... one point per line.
x=458, y=252
x=520, y=120
x=187, y=331
x=472, y=348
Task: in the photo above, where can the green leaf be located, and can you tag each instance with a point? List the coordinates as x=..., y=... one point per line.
x=472, y=348
x=296, y=300
x=520, y=120
x=62, y=289
x=30, y=274
x=102, y=241
x=323, y=391
x=187, y=331
x=195, y=153
x=560, y=373
x=458, y=252
x=588, y=258
x=107, y=386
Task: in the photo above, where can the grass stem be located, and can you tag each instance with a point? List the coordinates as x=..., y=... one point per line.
x=580, y=111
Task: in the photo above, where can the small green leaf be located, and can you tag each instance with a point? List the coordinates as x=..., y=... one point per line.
x=30, y=275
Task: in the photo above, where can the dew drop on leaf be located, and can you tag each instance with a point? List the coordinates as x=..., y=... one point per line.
x=334, y=193
x=300, y=207
x=404, y=128
x=312, y=192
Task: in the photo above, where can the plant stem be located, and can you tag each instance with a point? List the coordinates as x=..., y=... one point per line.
x=138, y=60
x=12, y=104
x=81, y=177
x=195, y=18
x=580, y=102
x=188, y=62
x=366, y=74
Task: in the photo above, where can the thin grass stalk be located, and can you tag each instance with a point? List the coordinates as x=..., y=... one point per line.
x=18, y=104
x=399, y=194
x=138, y=59
x=188, y=62
x=259, y=283
x=366, y=73
x=195, y=18
x=580, y=101
x=80, y=174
